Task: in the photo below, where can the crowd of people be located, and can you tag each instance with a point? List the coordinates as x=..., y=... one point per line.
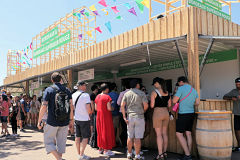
x=108, y=119
x=105, y=119
x=20, y=111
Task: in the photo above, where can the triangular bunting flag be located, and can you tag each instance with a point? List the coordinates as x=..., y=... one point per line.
x=14, y=68
x=18, y=54
x=119, y=17
x=103, y=2
x=74, y=14
x=31, y=59
x=127, y=5
x=104, y=10
x=132, y=10
x=93, y=8
x=96, y=13
x=146, y=3
x=109, y=27
x=89, y=33
x=115, y=9
x=80, y=37
x=87, y=14
x=78, y=16
x=82, y=11
x=30, y=46
x=98, y=29
x=114, y=0
x=140, y=5
x=25, y=55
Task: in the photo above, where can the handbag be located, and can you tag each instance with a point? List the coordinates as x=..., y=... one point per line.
x=176, y=106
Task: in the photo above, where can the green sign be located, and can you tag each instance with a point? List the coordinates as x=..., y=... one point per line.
x=51, y=45
x=209, y=9
x=214, y=4
x=49, y=35
x=212, y=58
x=100, y=77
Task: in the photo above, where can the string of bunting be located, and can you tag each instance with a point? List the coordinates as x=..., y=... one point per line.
x=131, y=9
x=24, y=58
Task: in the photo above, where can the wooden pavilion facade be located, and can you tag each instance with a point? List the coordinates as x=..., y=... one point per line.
x=189, y=22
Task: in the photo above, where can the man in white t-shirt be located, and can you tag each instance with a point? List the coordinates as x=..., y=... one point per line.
x=82, y=103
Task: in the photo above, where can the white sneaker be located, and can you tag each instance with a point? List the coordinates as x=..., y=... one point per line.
x=141, y=153
x=139, y=157
x=84, y=157
x=109, y=153
x=129, y=156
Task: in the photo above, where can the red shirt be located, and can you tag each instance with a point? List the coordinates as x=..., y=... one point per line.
x=5, y=109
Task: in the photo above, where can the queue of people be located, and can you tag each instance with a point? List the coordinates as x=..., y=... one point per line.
x=97, y=117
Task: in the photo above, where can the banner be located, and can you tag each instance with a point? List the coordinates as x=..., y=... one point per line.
x=59, y=41
x=196, y=3
x=175, y=64
x=49, y=35
x=214, y=4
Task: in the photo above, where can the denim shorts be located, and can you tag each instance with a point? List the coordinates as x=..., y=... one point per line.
x=4, y=119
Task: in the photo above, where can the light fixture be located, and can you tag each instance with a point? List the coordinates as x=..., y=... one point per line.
x=134, y=62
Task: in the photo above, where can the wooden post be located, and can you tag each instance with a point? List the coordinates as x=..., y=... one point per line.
x=70, y=78
x=238, y=54
x=193, y=56
x=27, y=88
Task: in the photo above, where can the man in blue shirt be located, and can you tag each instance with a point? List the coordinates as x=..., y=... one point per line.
x=115, y=113
x=188, y=98
x=55, y=130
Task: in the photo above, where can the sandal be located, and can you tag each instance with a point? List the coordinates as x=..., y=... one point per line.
x=160, y=157
x=165, y=155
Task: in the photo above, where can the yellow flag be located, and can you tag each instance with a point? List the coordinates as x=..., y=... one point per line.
x=104, y=10
x=93, y=8
x=146, y=3
x=89, y=33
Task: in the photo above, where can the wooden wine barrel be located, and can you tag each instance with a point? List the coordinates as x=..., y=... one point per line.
x=214, y=135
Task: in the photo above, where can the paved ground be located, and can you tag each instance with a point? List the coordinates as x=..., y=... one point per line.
x=29, y=146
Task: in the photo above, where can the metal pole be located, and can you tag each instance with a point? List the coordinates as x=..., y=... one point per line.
x=206, y=55
x=150, y=63
x=181, y=58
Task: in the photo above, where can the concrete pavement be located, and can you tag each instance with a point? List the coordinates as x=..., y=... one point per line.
x=29, y=146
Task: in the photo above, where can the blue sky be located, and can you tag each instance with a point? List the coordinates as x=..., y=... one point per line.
x=22, y=20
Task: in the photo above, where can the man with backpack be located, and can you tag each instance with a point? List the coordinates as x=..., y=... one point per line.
x=58, y=101
x=83, y=109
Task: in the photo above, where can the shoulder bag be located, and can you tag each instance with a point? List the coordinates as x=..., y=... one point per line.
x=176, y=106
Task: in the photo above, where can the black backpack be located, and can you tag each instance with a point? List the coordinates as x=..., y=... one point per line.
x=62, y=106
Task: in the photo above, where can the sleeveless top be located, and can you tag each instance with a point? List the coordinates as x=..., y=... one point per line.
x=162, y=101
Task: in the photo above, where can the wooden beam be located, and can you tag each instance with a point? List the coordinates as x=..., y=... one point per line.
x=27, y=88
x=193, y=56
x=70, y=79
x=173, y=1
x=165, y=3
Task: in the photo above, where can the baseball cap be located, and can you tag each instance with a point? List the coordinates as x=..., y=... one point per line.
x=80, y=83
x=157, y=79
x=237, y=80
